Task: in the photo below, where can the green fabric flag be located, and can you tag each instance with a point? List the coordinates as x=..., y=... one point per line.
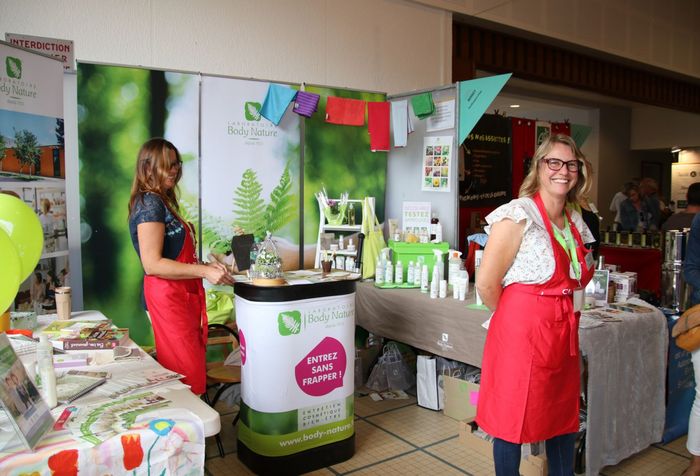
x=475, y=96
x=579, y=133
x=423, y=105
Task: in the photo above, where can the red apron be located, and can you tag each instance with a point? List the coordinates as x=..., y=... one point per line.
x=178, y=313
x=530, y=373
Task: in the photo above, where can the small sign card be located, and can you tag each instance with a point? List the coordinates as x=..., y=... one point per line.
x=416, y=217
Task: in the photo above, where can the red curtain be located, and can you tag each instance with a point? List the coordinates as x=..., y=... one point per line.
x=523, y=147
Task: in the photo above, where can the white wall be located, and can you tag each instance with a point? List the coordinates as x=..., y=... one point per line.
x=660, y=128
x=379, y=45
x=662, y=33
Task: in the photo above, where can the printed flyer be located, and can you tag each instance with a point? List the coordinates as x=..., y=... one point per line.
x=437, y=157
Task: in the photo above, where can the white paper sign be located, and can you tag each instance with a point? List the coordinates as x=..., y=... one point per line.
x=437, y=162
x=416, y=217
x=61, y=49
x=444, y=117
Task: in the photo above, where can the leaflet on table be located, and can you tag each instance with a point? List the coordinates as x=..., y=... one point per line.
x=122, y=385
x=70, y=387
x=27, y=412
x=99, y=422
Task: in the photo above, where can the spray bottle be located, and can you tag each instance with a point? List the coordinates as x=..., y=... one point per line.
x=439, y=265
x=45, y=370
x=454, y=265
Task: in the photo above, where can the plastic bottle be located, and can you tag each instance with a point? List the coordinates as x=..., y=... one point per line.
x=398, y=274
x=434, y=287
x=417, y=271
x=341, y=243
x=351, y=245
x=439, y=264
x=388, y=273
x=424, y=285
x=379, y=272
x=454, y=265
x=410, y=276
x=45, y=370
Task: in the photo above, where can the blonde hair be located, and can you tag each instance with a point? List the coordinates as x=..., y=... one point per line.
x=152, y=169
x=531, y=184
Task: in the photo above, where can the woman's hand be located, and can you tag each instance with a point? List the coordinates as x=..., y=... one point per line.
x=216, y=273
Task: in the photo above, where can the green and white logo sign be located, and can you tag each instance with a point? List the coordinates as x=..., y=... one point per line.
x=13, y=67
x=252, y=111
x=289, y=322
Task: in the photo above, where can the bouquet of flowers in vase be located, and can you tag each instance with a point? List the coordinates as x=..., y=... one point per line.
x=333, y=210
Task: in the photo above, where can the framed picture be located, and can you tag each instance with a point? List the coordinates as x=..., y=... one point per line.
x=598, y=287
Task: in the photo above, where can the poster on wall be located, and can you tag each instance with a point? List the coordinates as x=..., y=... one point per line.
x=250, y=169
x=443, y=118
x=487, y=163
x=437, y=156
x=682, y=177
x=32, y=163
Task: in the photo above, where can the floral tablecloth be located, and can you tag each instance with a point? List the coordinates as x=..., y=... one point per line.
x=171, y=443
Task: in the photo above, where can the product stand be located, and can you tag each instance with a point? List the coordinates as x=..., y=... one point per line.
x=324, y=226
x=297, y=376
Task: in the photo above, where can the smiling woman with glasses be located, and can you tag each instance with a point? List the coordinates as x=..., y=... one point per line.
x=165, y=243
x=532, y=276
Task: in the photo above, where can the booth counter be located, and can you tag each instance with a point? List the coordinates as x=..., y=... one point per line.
x=626, y=361
x=297, y=375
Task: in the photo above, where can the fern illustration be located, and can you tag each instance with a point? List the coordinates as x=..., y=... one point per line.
x=214, y=233
x=291, y=324
x=14, y=67
x=248, y=206
x=253, y=111
x=278, y=211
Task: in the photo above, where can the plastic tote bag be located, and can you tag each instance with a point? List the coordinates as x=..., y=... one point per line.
x=374, y=239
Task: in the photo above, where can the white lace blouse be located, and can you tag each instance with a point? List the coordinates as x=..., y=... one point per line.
x=534, y=262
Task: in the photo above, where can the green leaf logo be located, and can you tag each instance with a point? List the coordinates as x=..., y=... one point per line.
x=252, y=111
x=13, y=66
x=289, y=322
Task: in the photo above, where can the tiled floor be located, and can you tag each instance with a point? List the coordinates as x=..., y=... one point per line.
x=397, y=437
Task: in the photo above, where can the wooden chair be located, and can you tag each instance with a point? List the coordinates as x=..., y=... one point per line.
x=222, y=340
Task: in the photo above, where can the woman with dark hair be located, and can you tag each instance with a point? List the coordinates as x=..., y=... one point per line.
x=165, y=243
x=532, y=275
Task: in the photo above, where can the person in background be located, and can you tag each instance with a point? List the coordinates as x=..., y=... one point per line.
x=684, y=218
x=617, y=200
x=691, y=273
x=649, y=191
x=534, y=262
x=165, y=243
x=37, y=291
x=634, y=212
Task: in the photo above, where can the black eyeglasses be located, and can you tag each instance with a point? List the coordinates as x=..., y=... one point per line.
x=557, y=164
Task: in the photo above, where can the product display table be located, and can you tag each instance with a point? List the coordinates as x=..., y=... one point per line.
x=297, y=378
x=175, y=431
x=626, y=361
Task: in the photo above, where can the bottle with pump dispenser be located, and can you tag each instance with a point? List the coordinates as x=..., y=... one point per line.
x=454, y=266
x=439, y=264
x=45, y=370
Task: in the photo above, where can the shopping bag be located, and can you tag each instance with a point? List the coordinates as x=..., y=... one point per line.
x=427, y=388
x=374, y=239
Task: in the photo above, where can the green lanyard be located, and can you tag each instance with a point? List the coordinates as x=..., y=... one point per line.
x=566, y=240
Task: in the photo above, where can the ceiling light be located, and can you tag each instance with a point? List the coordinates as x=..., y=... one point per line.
x=515, y=105
x=675, y=149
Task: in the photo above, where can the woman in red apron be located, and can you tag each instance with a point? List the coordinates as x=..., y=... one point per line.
x=165, y=243
x=534, y=263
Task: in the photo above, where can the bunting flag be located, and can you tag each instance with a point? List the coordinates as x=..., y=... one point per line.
x=475, y=96
x=349, y=112
x=276, y=102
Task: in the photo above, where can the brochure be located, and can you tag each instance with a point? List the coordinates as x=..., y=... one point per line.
x=27, y=412
x=70, y=387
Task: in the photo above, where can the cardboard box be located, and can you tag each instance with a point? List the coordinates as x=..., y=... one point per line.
x=460, y=398
x=531, y=465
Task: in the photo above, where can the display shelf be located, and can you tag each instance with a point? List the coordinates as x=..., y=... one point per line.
x=324, y=227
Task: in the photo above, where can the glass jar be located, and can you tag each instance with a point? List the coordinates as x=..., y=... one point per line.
x=268, y=264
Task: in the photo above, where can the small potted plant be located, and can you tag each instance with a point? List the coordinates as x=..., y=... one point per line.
x=268, y=264
x=333, y=210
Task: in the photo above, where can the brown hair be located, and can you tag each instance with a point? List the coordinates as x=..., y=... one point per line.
x=152, y=168
x=531, y=184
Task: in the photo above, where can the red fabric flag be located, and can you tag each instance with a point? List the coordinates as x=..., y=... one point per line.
x=349, y=112
x=378, y=125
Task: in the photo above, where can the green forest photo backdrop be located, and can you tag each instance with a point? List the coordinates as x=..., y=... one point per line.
x=120, y=108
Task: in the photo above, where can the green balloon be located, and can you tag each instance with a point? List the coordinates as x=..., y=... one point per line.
x=23, y=227
x=10, y=275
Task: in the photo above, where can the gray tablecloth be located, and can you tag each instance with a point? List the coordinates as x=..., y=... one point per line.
x=626, y=361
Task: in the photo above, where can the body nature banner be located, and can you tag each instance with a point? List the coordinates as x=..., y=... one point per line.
x=250, y=168
x=303, y=350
